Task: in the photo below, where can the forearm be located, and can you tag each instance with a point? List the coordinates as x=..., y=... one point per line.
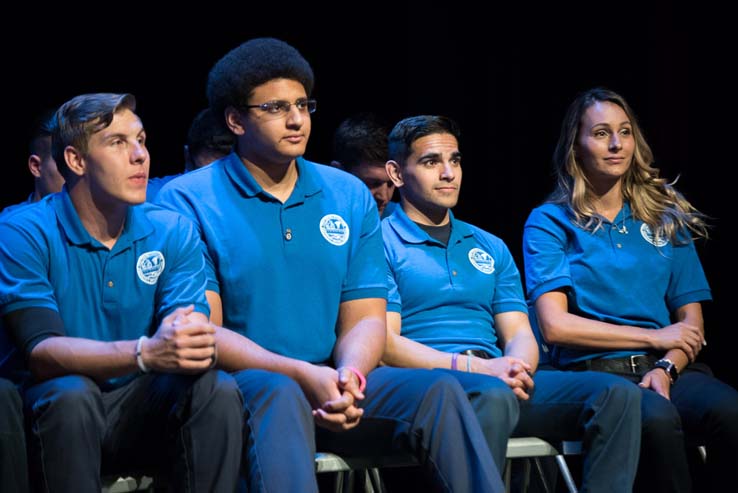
x=58, y=356
x=566, y=329
x=363, y=346
x=406, y=353
x=236, y=352
x=525, y=347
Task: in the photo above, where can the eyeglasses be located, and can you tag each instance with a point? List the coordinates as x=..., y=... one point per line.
x=283, y=107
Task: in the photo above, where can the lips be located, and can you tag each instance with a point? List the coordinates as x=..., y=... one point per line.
x=294, y=139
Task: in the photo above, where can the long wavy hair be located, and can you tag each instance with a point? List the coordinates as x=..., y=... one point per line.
x=653, y=200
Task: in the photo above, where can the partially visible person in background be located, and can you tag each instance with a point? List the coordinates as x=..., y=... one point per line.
x=41, y=164
x=360, y=147
x=208, y=139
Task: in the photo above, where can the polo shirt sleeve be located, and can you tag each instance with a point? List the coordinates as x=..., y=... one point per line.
x=366, y=276
x=544, y=255
x=688, y=283
x=394, y=301
x=183, y=281
x=175, y=199
x=24, y=284
x=508, y=295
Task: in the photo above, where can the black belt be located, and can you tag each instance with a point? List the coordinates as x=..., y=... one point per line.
x=477, y=352
x=637, y=364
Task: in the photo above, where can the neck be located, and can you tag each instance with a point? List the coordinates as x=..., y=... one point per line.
x=435, y=217
x=103, y=219
x=609, y=202
x=277, y=179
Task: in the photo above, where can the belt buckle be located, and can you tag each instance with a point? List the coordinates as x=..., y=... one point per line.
x=633, y=363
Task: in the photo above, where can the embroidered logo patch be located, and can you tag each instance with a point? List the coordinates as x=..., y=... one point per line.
x=149, y=267
x=334, y=229
x=481, y=260
x=649, y=236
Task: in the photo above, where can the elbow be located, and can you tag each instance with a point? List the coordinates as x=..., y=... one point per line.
x=552, y=333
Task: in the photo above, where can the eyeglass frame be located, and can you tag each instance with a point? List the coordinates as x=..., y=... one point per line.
x=285, y=106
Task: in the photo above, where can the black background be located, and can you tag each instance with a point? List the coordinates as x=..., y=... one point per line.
x=505, y=72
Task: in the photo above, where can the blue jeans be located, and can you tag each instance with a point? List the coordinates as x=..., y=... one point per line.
x=423, y=412
x=601, y=410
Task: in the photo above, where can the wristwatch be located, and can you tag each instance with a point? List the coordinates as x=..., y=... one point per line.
x=669, y=367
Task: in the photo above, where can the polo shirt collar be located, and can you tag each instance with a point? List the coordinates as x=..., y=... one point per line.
x=410, y=232
x=137, y=225
x=307, y=180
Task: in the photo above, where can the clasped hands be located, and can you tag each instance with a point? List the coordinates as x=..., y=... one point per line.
x=184, y=343
x=333, y=394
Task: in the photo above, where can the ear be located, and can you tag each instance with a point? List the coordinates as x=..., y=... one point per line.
x=34, y=165
x=75, y=161
x=394, y=172
x=233, y=120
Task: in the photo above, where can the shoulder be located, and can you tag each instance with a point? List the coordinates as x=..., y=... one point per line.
x=485, y=238
x=546, y=213
x=333, y=176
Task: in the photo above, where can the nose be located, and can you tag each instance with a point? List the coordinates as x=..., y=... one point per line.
x=384, y=192
x=295, y=117
x=139, y=153
x=615, y=143
x=448, y=173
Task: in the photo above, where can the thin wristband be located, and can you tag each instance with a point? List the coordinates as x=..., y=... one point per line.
x=468, y=363
x=360, y=376
x=139, y=359
x=454, y=357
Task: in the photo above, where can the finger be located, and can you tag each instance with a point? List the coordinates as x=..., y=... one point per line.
x=195, y=354
x=521, y=394
x=193, y=328
x=193, y=340
x=339, y=405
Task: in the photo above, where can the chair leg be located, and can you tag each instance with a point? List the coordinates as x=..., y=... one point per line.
x=506, y=475
x=703, y=452
x=566, y=474
x=541, y=474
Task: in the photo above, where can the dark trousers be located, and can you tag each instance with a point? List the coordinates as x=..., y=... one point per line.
x=601, y=410
x=423, y=412
x=191, y=426
x=702, y=410
x=13, y=467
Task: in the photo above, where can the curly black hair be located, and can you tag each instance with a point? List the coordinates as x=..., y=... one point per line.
x=234, y=77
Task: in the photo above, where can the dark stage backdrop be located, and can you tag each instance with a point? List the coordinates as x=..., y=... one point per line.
x=504, y=72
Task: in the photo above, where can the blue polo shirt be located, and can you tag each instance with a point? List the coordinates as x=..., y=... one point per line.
x=17, y=206
x=49, y=260
x=448, y=295
x=616, y=277
x=282, y=269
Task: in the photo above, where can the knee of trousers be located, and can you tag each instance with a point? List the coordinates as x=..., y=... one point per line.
x=221, y=393
x=662, y=426
x=76, y=400
x=496, y=408
x=441, y=386
x=620, y=398
x=269, y=391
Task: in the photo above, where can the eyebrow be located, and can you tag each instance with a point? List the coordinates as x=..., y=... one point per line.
x=624, y=122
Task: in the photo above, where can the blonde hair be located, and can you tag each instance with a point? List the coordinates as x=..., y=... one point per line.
x=653, y=199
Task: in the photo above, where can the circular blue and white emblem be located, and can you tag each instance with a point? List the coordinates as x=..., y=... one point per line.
x=481, y=260
x=648, y=235
x=149, y=267
x=334, y=229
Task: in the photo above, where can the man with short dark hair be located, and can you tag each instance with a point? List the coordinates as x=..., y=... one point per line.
x=360, y=147
x=456, y=303
x=105, y=298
